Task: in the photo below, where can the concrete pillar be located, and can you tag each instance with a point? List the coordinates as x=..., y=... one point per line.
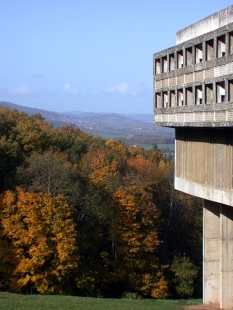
x=226, y=257
x=211, y=277
x=218, y=255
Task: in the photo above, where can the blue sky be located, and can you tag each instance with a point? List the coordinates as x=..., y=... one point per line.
x=88, y=55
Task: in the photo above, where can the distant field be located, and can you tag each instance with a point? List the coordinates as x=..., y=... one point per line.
x=167, y=148
x=42, y=302
x=164, y=148
x=106, y=134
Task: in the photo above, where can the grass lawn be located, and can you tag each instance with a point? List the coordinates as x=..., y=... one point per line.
x=48, y=302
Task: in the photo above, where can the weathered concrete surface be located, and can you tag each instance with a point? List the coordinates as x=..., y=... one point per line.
x=211, y=249
x=207, y=24
x=218, y=255
x=204, y=191
x=226, y=257
x=204, y=163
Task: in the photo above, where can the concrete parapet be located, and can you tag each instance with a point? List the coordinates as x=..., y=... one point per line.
x=205, y=25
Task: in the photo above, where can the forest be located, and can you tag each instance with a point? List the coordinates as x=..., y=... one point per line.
x=85, y=216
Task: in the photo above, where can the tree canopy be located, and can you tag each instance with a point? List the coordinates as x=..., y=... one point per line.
x=90, y=217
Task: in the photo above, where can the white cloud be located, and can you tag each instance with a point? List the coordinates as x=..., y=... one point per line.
x=125, y=89
x=21, y=90
x=70, y=89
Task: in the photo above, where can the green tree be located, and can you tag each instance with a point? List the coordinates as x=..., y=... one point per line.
x=49, y=173
x=184, y=274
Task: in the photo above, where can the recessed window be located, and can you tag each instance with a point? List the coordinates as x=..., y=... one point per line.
x=209, y=93
x=221, y=46
x=165, y=99
x=220, y=92
x=198, y=94
x=172, y=62
x=189, y=56
x=172, y=98
x=230, y=90
x=198, y=53
x=210, y=49
x=157, y=66
x=231, y=43
x=180, y=97
x=164, y=64
x=188, y=96
x=180, y=59
x=158, y=100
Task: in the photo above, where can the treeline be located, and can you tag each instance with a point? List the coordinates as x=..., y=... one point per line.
x=86, y=216
x=150, y=140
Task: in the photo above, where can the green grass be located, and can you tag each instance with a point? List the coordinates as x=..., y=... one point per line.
x=42, y=302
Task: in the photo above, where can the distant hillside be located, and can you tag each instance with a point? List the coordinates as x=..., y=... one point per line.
x=29, y=111
x=106, y=125
x=144, y=118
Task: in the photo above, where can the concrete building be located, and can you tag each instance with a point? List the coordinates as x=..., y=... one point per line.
x=193, y=93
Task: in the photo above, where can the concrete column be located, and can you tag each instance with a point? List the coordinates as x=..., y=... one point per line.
x=218, y=255
x=226, y=257
x=211, y=277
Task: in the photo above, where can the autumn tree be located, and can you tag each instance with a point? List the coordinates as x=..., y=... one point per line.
x=131, y=257
x=41, y=234
x=125, y=226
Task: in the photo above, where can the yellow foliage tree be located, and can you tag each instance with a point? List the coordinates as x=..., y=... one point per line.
x=105, y=169
x=117, y=146
x=41, y=235
x=135, y=243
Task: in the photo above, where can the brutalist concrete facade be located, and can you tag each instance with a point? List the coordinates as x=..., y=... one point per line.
x=193, y=81
x=193, y=92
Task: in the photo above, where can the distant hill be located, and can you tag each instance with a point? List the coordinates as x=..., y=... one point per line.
x=145, y=118
x=29, y=111
x=106, y=125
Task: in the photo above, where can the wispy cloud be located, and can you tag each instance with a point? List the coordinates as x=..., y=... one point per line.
x=125, y=89
x=26, y=90
x=37, y=76
x=68, y=88
x=21, y=90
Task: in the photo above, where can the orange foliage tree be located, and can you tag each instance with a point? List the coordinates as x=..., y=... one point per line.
x=133, y=224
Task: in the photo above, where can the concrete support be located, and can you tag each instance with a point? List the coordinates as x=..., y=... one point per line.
x=218, y=255
x=226, y=257
x=211, y=279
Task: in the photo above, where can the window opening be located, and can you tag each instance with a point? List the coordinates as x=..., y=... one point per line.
x=230, y=90
x=158, y=100
x=180, y=98
x=188, y=56
x=221, y=46
x=220, y=92
x=209, y=93
x=165, y=100
x=164, y=64
x=157, y=66
x=198, y=94
x=189, y=96
x=180, y=59
x=171, y=62
x=172, y=98
x=210, y=49
x=231, y=43
x=198, y=53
